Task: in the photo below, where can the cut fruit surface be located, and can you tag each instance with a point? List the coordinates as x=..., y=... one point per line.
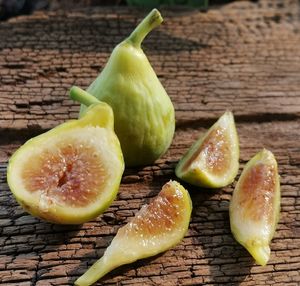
x=255, y=205
x=71, y=173
x=154, y=229
x=213, y=160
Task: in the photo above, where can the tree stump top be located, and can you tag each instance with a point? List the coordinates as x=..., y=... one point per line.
x=242, y=56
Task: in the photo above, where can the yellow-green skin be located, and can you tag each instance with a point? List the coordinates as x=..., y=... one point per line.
x=97, y=115
x=144, y=114
x=256, y=235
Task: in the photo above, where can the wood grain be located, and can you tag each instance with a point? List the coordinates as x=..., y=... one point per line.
x=242, y=56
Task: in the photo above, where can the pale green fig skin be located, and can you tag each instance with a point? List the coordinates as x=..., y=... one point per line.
x=256, y=235
x=125, y=249
x=97, y=115
x=198, y=175
x=144, y=114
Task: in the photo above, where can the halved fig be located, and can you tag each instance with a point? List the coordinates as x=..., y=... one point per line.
x=213, y=160
x=154, y=229
x=255, y=206
x=70, y=174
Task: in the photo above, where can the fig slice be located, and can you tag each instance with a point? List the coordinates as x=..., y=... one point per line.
x=154, y=229
x=255, y=205
x=70, y=174
x=213, y=160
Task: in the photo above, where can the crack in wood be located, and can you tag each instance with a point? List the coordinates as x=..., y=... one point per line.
x=242, y=56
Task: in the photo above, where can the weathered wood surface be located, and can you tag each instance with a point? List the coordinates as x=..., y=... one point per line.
x=243, y=56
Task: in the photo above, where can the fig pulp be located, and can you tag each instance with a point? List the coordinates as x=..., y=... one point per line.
x=154, y=229
x=70, y=174
x=213, y=160
x=143, y=112
x=255, y=205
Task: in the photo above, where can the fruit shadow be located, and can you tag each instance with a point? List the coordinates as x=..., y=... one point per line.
x=86, y=261
x=29, y=236
x=49, y=242
x=97, y=34
x=124, y=272
x=42, y=236
x=227, y=261
x=40, y=233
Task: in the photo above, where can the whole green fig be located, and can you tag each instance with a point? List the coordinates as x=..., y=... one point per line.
x=144, y=114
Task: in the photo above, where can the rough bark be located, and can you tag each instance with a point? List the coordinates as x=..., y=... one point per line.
x=243, y=56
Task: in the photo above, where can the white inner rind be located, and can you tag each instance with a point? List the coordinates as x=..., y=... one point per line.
x=106, y=148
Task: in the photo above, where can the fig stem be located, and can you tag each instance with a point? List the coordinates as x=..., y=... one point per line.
x=94, y=273
x=151, y=21
x=80, y=95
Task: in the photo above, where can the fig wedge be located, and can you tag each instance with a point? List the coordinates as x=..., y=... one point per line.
x=154, y=229
x=255, y=206
x=213, y=160
x=70, y=174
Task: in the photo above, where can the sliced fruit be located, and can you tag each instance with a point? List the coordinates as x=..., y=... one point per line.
x=71, y=173
x=213, y=160
x=154, y=229
x=255, y=206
